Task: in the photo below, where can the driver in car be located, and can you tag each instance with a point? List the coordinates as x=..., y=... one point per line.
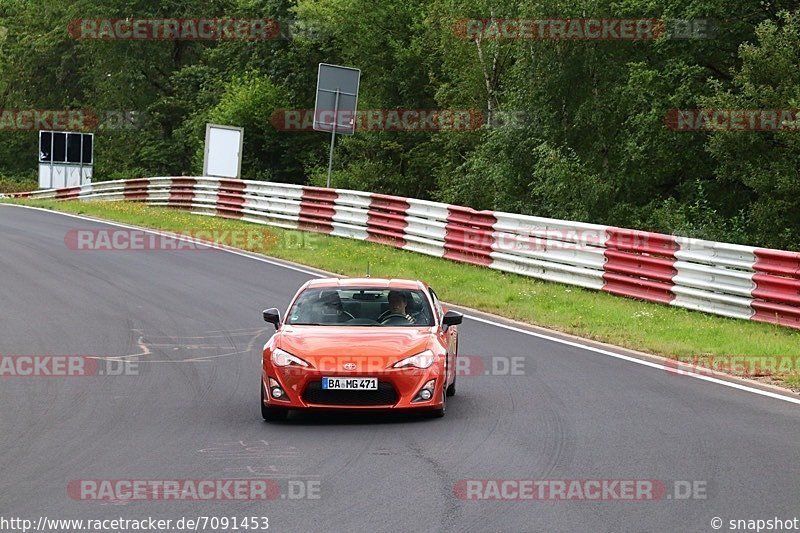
x=397, y=305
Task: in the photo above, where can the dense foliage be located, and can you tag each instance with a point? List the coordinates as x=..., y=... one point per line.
x=588, y=140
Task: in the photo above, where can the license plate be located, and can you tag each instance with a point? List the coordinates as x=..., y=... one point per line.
x=350, y=383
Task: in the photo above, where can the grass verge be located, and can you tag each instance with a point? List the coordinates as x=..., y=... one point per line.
x=736, y=346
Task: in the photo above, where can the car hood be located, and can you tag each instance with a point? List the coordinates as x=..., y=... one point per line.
x=330, y=344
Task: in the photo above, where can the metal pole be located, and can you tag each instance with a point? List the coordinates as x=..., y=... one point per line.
x=333, y=137
x=52, y=147
x=80, y=159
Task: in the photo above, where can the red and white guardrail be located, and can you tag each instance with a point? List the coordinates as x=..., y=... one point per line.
x=725, y=279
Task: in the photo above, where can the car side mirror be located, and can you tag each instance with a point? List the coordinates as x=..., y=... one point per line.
x=452, y=318
x=273, y=316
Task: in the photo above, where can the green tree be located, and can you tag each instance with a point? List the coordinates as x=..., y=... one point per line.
x=762, y=167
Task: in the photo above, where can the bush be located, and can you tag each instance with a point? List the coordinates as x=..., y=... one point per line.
x=18, y=184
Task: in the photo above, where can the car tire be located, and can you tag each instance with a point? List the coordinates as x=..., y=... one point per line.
x=272, y=414
x=439, y=413
x=451, y=390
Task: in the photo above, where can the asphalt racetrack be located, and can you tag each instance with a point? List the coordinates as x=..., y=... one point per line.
x=191, y=323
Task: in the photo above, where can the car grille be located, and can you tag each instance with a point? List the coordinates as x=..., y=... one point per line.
x=314, y=394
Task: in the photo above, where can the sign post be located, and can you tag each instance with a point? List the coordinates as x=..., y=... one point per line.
x=333, y=139
x=337, y=89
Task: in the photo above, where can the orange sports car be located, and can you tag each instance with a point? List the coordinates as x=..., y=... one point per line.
x=360, y=344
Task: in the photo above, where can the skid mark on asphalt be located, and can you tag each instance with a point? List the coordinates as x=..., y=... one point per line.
x=144, y=350
x=255, y=459
x=160, y=348
x=452, y=508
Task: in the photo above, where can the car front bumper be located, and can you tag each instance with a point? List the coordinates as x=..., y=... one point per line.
x=397, y=389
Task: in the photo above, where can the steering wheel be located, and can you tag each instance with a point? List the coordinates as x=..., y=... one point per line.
x=384, y=315
x=343, y=312
x=388, y=318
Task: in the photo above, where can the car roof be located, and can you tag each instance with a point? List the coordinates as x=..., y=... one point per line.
x=366, y=283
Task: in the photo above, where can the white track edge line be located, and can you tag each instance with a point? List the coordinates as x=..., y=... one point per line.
x=639, y=361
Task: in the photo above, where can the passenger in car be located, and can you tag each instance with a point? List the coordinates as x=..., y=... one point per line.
x=329, y=308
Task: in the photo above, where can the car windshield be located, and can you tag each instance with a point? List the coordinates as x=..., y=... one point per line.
x=355, y=306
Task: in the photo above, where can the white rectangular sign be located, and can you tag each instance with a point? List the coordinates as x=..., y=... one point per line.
x=223, y=152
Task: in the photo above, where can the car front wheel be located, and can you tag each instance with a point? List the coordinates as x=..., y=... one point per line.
x=439, y=413
x=272, y=414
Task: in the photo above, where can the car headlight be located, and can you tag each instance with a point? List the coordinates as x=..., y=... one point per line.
x=283, y=358
x=421, y=360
